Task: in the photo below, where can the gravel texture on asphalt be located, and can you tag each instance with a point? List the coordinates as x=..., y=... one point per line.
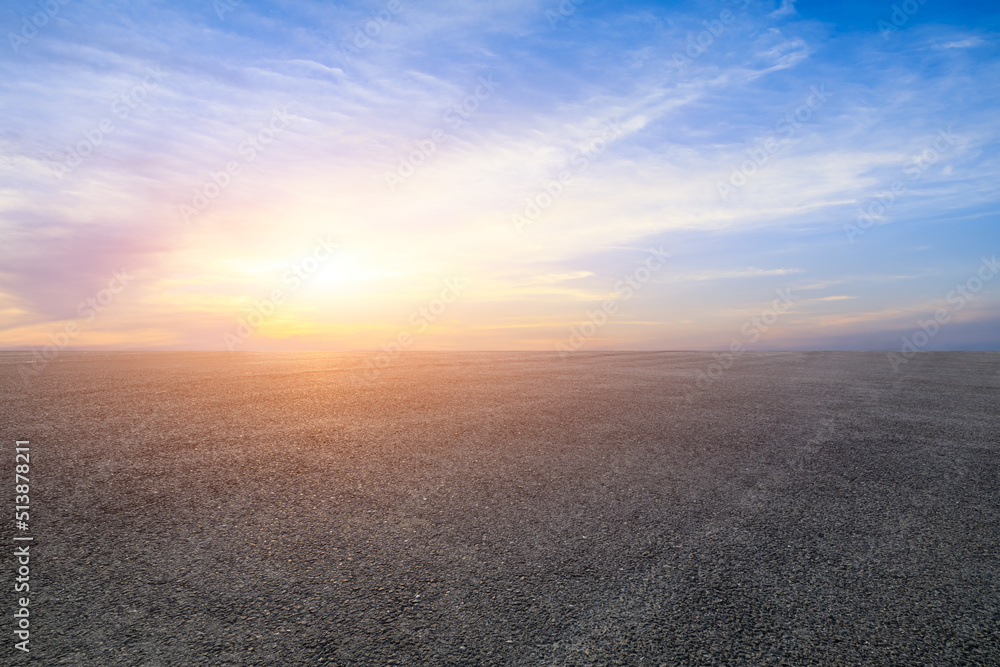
x=507, y=509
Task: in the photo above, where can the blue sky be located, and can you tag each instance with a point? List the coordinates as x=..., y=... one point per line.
x=653, y=112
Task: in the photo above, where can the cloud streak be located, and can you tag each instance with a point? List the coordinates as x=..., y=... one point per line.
x=354, y=114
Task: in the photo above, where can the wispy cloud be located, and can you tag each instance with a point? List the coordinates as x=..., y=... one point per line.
x=356, y=115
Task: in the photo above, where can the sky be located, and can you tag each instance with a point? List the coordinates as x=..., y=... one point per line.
x=517, y=175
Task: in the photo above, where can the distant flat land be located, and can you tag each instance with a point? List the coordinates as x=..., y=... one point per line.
x=507, y=508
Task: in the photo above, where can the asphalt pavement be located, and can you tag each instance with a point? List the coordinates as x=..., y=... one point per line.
x=792, y=508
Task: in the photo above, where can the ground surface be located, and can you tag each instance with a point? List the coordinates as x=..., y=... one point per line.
x=463, y=509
